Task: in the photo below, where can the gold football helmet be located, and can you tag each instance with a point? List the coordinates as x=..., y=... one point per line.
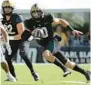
x=8, y=3
x=36, y=12
x=35, y=8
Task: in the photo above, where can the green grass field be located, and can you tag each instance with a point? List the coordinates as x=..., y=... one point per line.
x=49, y=75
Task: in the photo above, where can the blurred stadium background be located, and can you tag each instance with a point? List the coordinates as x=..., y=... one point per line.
x=77, y=49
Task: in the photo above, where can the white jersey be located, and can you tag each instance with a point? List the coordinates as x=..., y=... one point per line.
x=1, y=27
x=2, y=58
x=0, y=31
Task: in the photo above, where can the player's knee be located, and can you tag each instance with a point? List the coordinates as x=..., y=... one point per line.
x=70, y=64
x=48, y=56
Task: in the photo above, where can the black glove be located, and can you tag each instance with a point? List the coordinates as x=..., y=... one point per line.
x=57, y=38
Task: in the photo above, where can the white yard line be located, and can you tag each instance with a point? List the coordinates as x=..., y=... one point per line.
x=76, y=82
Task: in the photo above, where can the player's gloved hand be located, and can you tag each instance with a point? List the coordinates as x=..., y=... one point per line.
x=76, y=32
x=8, y=48
x=57, y=38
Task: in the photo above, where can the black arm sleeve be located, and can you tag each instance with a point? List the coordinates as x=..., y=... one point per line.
x=25, y=35
x=69, y=27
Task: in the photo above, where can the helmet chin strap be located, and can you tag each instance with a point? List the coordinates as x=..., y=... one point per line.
x=38, y=19
x=8, y=14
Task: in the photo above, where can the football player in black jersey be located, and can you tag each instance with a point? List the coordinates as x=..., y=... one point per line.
x=40, y=28
x=14, y=26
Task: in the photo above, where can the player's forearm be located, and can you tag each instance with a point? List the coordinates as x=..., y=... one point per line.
x=69, y=27
x=65, y=24
x=17, y=37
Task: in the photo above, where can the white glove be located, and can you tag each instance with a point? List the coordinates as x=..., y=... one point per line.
x=8, y=48
x=30, y=38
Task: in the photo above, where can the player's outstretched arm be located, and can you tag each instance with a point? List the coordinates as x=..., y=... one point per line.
x=65, y=24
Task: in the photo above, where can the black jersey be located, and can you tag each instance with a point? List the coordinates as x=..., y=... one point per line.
x=10, y=25
x=45, y=23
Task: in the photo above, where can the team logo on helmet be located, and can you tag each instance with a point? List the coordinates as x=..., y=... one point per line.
x=35, y=8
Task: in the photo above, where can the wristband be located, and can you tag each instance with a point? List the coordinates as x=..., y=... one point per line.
x=11, y=37
x=30, y=38
x=69, y=27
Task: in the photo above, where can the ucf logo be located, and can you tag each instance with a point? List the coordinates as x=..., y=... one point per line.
x=9, y=28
